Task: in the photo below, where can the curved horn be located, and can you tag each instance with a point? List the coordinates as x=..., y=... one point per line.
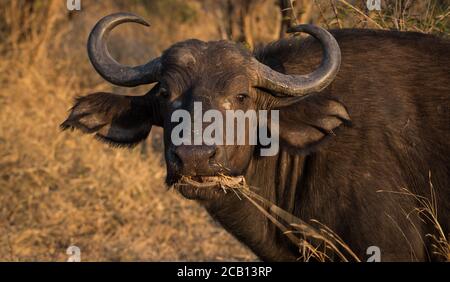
x=109, y=68
x=300, y=85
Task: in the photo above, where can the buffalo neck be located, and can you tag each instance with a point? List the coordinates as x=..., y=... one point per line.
x=280, y=184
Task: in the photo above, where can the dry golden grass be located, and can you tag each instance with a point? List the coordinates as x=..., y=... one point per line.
x=60, y=189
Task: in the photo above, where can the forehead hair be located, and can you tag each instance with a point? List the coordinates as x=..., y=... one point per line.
x=194, y=59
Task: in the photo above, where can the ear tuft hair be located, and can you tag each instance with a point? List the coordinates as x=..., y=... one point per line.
x=122, y=121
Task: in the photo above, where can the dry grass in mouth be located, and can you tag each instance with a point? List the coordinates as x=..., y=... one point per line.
x=226, y=182
x=222, y=181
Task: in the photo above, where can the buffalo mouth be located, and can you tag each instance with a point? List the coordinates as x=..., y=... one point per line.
x=208, y=187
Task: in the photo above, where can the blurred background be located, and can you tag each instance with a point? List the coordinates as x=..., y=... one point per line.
x=59, y=189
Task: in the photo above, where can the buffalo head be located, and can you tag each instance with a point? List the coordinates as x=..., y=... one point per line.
x=220, y=75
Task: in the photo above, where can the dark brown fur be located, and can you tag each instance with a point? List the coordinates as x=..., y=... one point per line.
x=383, y=124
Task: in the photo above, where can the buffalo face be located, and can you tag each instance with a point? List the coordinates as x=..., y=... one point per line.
x=220, y=76
x=195, y=77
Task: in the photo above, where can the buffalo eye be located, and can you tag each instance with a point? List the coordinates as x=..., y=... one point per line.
x=241, y=97
x=163, y=92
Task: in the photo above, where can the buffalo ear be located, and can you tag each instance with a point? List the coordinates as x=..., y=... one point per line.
x=119, y=120
x=305, y=124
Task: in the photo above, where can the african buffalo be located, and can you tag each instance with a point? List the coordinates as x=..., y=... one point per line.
x=360, y=111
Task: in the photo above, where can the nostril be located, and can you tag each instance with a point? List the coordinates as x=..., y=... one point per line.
x=213, y=153
x=210, y=151
x=212, y=160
